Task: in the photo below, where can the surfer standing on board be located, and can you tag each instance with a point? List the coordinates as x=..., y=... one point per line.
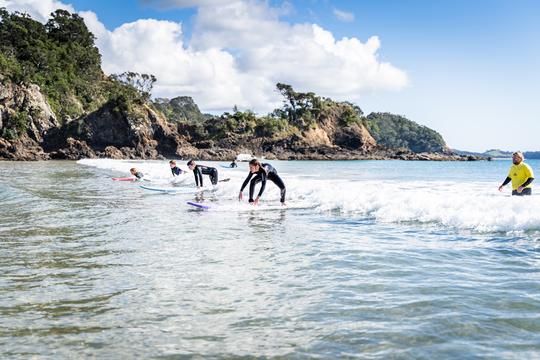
x=521, y=176
x=200, y=170
x=262, y=172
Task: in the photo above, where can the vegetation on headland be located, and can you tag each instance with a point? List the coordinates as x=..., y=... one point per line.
x=62, y=59
x=59, y=56
x=395, y=131
x=181, y=109
x=301, y=112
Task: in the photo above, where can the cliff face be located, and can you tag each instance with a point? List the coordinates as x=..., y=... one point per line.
x=25, y=118
x=30, y=131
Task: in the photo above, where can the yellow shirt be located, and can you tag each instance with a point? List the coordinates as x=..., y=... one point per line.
x=519, y=174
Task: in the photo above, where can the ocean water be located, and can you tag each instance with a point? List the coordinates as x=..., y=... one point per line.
x=369, y=259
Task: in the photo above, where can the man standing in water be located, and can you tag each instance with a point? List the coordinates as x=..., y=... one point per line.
x=521, y=176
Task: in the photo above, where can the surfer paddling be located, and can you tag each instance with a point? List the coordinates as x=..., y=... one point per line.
x=200, y=170
x=262, y=173
x=176, y=171
x=139, y=175
x=521, y=176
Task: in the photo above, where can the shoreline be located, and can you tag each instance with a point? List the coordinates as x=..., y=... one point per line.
x=424, y=157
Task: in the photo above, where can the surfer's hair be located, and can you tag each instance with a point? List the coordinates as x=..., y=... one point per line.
x=133, y=170
x=519, y=154
x=254, y=162
x=190, y=162
x=172, y=162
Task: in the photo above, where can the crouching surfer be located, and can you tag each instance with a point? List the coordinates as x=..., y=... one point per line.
x=200, y=170
x=262, y=173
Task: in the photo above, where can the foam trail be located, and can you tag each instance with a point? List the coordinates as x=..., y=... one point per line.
x=157, y=171
x=474, y=206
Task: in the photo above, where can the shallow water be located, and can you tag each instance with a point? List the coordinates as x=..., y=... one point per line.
x=368, y=259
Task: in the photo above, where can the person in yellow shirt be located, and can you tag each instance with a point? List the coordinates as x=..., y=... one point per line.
x=521, y=176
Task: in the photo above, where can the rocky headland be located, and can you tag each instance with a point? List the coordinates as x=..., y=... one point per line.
x=56, y=103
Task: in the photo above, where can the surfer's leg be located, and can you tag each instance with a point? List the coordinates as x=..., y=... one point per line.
x=214, y=177
x=277, y=180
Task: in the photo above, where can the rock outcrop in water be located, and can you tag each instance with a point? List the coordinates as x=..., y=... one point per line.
x=56, y=103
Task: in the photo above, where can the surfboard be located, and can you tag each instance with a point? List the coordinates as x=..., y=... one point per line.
x=124, y=179
x=170, y=190
x=197, y=205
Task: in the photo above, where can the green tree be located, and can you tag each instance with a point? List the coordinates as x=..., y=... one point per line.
x=143, y=83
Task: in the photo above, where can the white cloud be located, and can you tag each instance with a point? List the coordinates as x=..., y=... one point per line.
x=237, y=53
x=343, y=15
x=156, y=47
x=38, y=9
x=305, y=55
x=169, y=4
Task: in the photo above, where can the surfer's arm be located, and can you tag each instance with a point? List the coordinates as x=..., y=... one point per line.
x=198, y=176
x=527, y=182
x=263, y=183
x=506, y=181
x=246, y=181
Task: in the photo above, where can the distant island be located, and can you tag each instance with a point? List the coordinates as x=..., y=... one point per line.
x=57, y=103
x=498, y=154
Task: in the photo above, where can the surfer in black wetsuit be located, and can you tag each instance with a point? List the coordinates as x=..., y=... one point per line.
x=175, y=169
x=200, y=170
x=234, y=164
x=139, y=175
x=262, y=173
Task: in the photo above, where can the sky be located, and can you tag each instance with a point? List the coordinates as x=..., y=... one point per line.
x=468, y=69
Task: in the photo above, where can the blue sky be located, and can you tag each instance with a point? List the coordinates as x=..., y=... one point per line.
x=471, y=66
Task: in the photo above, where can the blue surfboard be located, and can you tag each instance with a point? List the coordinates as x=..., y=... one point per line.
x=197, y=205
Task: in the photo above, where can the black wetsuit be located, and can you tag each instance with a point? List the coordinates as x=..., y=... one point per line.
x=139, y=175
x=233, y=165
x=177, y=171
x=201, y=170
x=265, y=172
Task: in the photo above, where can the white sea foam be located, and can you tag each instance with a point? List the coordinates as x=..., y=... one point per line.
x=475, y=206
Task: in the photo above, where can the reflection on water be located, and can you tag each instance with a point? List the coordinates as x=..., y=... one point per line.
x=91, y=268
